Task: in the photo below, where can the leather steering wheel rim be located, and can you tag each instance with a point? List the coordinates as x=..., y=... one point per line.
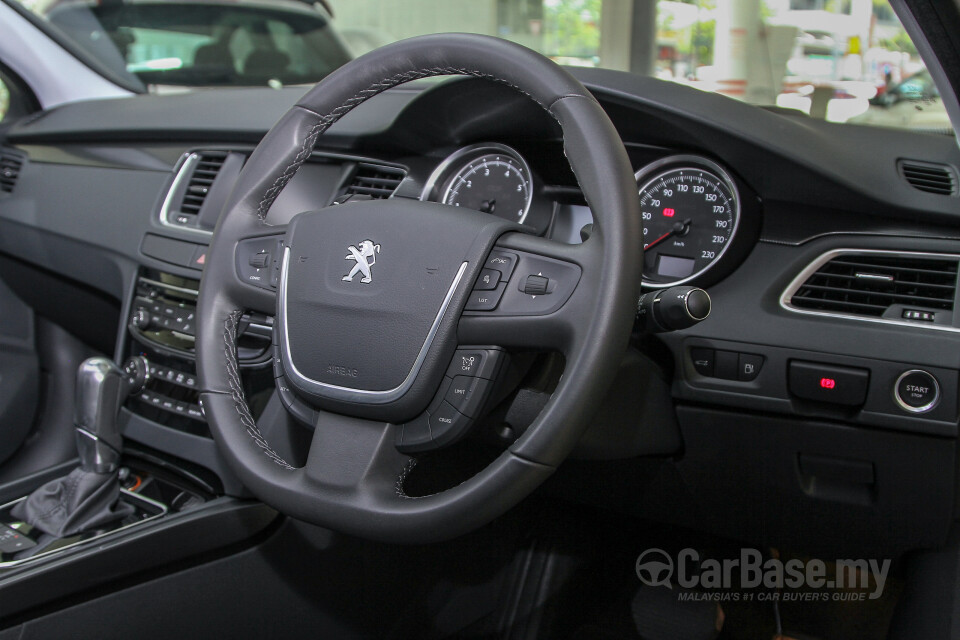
x=353, y=478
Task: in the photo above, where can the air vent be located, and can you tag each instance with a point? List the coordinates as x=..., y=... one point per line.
x=929, y=177
x=10, y=164
x=873, y=283
x=376, y=181
x=208, y=165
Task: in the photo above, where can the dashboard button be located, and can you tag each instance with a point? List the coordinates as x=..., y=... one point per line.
x=917, y=391
x=703, y=360
x=727, y=365
x=828, y=383
x=750, y=365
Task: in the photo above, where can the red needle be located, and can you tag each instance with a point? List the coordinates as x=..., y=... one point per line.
x=659, y=240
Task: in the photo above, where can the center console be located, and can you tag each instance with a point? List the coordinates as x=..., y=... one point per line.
x=161, y=327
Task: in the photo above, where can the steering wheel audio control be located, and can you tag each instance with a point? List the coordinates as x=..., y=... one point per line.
x=463, y=392
x=916, y=391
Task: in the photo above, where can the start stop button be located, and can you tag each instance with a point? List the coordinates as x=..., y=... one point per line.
x=917, y=391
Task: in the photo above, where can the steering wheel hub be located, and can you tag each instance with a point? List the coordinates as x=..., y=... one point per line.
x=368, y=302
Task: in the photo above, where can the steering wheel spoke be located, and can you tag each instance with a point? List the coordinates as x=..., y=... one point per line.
x=354, y=457
x=258, y=260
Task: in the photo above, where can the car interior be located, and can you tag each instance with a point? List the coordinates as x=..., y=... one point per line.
x=445, y=345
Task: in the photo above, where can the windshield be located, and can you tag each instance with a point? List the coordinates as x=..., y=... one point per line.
x=839, y=60
x=208, y=43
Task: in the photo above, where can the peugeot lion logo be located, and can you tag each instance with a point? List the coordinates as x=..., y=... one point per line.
x=365, y=257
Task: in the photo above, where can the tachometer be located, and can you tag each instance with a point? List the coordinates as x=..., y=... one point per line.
x=690, y=211
x=491, y=178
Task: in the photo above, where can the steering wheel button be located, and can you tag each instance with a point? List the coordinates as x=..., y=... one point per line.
x=488, y=280
x=466, y=394
x=536, y=285
x=447, y=425
x=477, y=363
x=502, y=262
x=415, y=436
x=485, y=300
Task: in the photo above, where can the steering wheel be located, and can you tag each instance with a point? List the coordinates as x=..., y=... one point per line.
x=381, y=312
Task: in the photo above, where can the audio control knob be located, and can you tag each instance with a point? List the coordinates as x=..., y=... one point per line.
x=141, y=319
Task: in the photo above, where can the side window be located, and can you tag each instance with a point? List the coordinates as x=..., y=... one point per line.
x=4, y=99
x=16, y=99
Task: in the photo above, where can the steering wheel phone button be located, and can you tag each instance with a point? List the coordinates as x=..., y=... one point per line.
x=467, y=394
x=750, y=365
x=703, y=360
x=917, y=391
x=488, y=280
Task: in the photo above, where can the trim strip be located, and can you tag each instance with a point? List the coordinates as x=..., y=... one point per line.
x=803, y=276
x=188, y=163
x=350, y=394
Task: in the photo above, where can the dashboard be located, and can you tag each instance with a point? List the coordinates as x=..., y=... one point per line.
x=822, y=389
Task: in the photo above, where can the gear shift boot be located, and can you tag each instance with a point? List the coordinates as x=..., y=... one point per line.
x=81, y=501
x=87, y=498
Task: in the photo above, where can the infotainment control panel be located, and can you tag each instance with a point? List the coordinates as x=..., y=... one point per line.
x=162, y=328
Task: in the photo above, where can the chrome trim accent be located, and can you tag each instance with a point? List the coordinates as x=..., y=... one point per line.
x=711, y=167
x=95, y=454
x=923, y=408
x=442, y=173
x=170, y=287
x=350, y=394
x=163, y=510
x=187, y=164
x=873, y=276
x=826, y=257
x=686, y=304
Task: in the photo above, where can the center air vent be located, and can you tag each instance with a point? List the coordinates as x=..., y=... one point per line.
x=205, y=170
x=10, y=164
x=376, y=181
x=878, y=284
x=929, y=177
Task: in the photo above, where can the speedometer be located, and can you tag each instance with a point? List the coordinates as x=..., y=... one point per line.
x=690, y=214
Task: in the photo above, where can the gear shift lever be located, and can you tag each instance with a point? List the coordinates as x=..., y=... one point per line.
x=88, y=498
x=102, y=387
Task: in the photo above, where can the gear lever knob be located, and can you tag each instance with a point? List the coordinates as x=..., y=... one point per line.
x=102, y=387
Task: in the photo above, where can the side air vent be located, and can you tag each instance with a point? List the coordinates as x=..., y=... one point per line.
x=205, y=170
x=376, y=181
x=930, y=177
x=878, y=284
x=10, y=165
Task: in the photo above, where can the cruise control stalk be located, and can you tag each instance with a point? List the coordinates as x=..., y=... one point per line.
x=672, y=309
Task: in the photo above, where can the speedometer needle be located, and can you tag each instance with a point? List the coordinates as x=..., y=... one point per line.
x=679, y=227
